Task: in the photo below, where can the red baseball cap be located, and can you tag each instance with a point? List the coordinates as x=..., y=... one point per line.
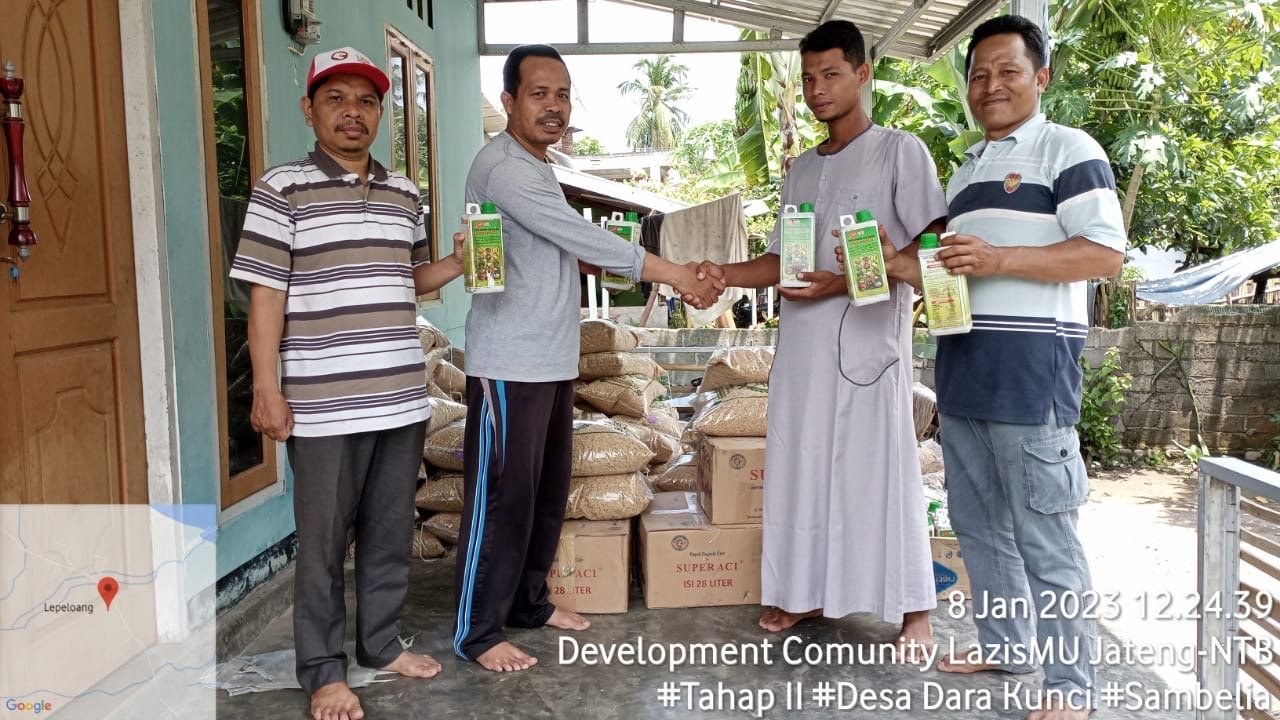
x=346, y=61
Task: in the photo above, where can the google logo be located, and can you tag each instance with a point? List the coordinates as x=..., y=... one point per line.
x=35, y=708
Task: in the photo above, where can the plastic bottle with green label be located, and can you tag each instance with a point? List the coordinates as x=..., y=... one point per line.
x=946, y=296
x=484, y=265
x=628, y=228
x=863, y=259
x=934, y=507
x=795, y=244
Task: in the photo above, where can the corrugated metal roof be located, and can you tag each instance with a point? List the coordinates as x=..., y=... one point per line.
x=909, y=29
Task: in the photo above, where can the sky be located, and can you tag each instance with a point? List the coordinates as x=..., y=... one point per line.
x=599, y=109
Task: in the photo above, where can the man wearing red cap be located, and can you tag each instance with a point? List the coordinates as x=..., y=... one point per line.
x=336, y=247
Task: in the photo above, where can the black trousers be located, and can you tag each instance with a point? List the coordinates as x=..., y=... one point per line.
x=365, y=480
x=518, y=454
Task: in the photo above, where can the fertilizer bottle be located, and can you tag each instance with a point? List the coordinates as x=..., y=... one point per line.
x=628, y=229
x=946, y=296
x=483, y=260
x=795, y=244
x=863, y=259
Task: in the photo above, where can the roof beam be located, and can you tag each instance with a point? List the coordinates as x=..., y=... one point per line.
x=904, y=21
x=584, y=23
x=830, y=12
x=962, y=25
x=741, y=17
x=658, y=48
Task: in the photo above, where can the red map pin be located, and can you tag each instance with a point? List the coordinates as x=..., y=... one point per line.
x=107, y=588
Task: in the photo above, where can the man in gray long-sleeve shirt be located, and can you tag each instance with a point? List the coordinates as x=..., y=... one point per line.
x=522, y=358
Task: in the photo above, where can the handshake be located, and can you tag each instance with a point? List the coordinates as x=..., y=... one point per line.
x=700, y=284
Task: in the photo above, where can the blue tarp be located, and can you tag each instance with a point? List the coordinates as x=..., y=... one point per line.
x=1204, y=284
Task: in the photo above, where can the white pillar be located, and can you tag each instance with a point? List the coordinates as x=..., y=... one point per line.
x=1035, y=10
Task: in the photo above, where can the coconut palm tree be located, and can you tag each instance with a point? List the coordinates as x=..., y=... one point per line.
x=661, y=85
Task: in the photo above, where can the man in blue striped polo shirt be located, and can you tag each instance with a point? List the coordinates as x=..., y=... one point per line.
x=1035, y=213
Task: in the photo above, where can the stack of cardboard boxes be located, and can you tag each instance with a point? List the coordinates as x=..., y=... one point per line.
x=701, y=549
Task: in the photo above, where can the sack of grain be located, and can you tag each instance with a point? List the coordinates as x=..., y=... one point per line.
x=607, y=497
x=443, y=412
x=443, y=448
x=604, y=448
x=588, y=413
x=924, y=405
x=612, y=364
x=930, y=453
x=664, y=446
x=442, y=493
x=430, y=336
x=604, y=336
x=737, y=366
x=627, y=395
x=458, y=357
x=445, y=526
x=451, y=379
x=432, y=359
x=679, y=474
x=425, y=545
x=665, y=409
x=738, y=411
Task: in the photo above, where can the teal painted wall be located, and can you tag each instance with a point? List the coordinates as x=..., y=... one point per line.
x=187, y=247
x=451, y=44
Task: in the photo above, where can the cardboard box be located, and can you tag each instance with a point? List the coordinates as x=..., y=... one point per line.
x=948, y=567
x=688, y=562
x=592, y=569
x=731, y=480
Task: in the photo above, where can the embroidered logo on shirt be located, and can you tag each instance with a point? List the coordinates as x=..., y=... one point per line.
x=1012, y=181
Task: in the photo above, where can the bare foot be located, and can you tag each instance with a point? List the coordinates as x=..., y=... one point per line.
x=565, y=620
x=505, y=657
x=776, y=619
x=335, y=701
x=414, y=665
x=915, y=642
x=959, y=665
x=1055, y=710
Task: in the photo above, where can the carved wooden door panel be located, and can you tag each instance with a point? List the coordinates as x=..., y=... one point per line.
x=71, y=418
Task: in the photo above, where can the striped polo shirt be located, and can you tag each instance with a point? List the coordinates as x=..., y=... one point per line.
x=1040, y=185
x=344, y=253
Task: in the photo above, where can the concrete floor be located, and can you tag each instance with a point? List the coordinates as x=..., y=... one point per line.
x=1140, y=534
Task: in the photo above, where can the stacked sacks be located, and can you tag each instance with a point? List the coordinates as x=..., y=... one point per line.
x=445, y=379
x=624, y=386
x=734, y=401
x=440, y=493
x=608, y=481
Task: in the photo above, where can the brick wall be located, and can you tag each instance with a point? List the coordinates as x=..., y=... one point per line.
x=1231, y=359
x=1231, y=356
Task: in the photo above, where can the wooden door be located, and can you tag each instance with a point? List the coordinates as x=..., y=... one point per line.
x=71, y=418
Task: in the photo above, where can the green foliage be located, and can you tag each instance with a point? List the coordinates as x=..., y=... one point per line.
x=231, y=122
x=1183, y=96
x=929, y=102
x=587, y=145
x=660, y=86
x=1105, y=389
x=1275, y=443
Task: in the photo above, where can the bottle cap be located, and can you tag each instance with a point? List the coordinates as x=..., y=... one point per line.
x=488, y=208
x=806, y=207
x=863, y=215
x=928, y=241
x=633, y=217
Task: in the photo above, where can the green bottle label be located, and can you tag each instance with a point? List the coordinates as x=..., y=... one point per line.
x=484, y=261
x=618, y=282
x=862, y=251
x=796, y=241
x=946, y=296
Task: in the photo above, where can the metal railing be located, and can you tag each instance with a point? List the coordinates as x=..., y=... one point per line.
x=1236, y=618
